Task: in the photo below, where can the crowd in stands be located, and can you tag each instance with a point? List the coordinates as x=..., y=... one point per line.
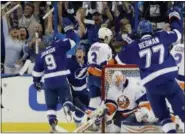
x=25, y=27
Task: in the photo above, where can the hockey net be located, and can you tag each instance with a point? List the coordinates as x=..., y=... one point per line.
x=127, y=70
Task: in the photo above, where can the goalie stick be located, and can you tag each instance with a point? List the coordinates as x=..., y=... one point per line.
x=92, y=118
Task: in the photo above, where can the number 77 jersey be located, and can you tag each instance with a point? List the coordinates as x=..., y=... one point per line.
x=151, y=54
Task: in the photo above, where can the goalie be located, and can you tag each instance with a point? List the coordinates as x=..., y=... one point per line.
x=128, y=107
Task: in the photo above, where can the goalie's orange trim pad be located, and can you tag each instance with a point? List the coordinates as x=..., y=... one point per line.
x=94, y=71
x=146, y=105
x=111, y=108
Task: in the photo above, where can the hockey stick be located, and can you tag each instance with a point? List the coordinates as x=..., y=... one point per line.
x=85, y=125
x=92, y=118
x=60, y=129
x=36, y=43
x=14, y=8
x=48, y=13
x=6, y=4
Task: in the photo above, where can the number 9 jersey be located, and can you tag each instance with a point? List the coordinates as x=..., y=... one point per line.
x=52, y=63
x=98, y=56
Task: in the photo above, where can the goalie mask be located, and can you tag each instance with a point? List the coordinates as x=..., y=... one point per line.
x=118, y=79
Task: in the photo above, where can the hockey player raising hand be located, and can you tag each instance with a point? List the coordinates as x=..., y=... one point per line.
x=128, y=106
x=158, y=69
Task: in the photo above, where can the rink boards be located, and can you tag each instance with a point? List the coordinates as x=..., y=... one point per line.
x=24, y=108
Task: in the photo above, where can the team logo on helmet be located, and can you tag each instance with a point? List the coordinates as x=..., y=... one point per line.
x=123, y=102
x=81, y=73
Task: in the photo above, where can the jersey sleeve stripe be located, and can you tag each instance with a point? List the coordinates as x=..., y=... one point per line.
x=118, y=60
x=179, y=36
x=55, y=74
x=156, y=74
x=79, y=88
x=37, y=74
x=72, y=43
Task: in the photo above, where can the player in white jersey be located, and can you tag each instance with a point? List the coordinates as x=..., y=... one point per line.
x=178, y=54
x=128, y=106
x=98, y=56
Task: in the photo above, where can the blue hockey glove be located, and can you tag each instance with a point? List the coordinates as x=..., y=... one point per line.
x=174, y=13
x=38, y=85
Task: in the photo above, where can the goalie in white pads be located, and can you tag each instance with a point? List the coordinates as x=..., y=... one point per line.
x=128, y=106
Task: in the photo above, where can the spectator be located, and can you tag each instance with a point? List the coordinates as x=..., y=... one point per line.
x=23, y=34
x=81, y=29
x=30, y=46
x=122, y=30
x=156, y=12
x=13, y=47
x=28, y=19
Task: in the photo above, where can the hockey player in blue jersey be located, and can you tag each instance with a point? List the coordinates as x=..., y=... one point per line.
x=158, y=69
x=77, y=79
x=52, y=65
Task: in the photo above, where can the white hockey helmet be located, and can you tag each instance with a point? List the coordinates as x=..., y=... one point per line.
x=118, y=79
x=105, y=34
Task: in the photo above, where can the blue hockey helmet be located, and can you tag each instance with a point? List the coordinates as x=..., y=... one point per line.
x=80, y=47
x=144, y=27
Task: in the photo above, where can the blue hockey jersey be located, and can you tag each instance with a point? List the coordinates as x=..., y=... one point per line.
x=52, y=63
x=151, y=54
x=78, y=75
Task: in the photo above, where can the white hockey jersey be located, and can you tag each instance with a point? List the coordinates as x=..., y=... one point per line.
x=99, y=54
x=126, y=100
x=178, y=54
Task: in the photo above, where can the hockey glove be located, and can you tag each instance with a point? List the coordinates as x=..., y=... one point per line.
x=174, y=13
x=38, y=86
x=143, y=114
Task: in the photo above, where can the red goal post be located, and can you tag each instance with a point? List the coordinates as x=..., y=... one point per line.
x=128, y=70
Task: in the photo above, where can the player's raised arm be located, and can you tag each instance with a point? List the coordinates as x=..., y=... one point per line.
x=125, y=56
x=175, y=34
x=68, y=43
